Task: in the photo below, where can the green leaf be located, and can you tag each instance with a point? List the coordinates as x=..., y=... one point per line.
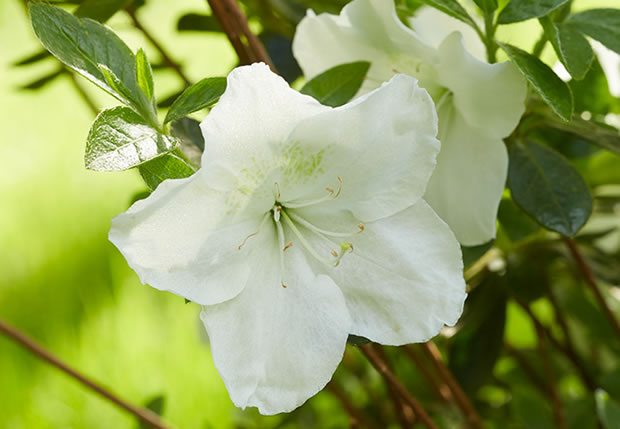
x=85, y=46
x=573, y=50
x=548, y=188
x=600, y=24
x=170, y=166
x=472, y=253
x=187, y=132
x=592, y=93
x=356, y=340
x=487, y=6
x=608, y=410
x=144, y=75
x=337, y=85
x=478, y=345
x=599, y=134
x=100, y=10
x=198, y=22
x=514, y=222
x=452, y=8
x=120, y=139
x=521, y=10
x=196, y=97
x=552, y=89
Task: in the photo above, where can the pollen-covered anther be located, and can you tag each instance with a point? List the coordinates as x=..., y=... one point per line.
x=289, y=244
x=335, y=253
x=283, y=285
x=361, y=227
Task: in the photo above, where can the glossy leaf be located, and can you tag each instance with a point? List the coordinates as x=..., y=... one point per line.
x=120, y=139
x=452, y=8
x=169, y=166
x=516, y=224
x=337, y=85
x=551, y=88
x=548, y=188
x=571, y=47
x=521, y=10
x=144, y=75
x=600, y=24
x=196, y=97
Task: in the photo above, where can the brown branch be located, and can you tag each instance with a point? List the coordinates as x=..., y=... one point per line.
x=556, y=403
x=567, y=349
x=162, y=51
x=145, y=415
x=248, y=47
x=404, y=414
x=461, y=399
x=391, y=379
x=358, y=417
x=441, y=389
x=591, y=282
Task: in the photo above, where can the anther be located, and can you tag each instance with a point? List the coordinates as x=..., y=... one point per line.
x=276, y=188
x=330, y=190
x=289, y=244
x=335, y=253
x=276, y=213
x=283, y=285
x=361, y=227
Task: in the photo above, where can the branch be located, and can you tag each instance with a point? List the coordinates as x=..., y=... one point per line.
x=404, y=413
x=391, y=379
x=248, y=47
x=591, y=282
x=164, y=54
x=145, y=415
x=440, y=388
x=359, y=417
x=460, y=397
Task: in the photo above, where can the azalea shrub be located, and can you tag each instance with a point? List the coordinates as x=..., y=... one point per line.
x=397, y=206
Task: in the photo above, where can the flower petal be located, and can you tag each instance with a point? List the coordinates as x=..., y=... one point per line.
x=366, y=30
x=490, y=97
x=467, y=184
x=178, y=238
x=382, y=145
x=403, y=281
x=275, y=347
x=258, y=110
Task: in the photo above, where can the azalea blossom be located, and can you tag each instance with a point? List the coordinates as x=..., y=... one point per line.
x=478, y=103
x=305, y=224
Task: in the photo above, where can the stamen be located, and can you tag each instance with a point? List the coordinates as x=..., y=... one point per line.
x=282, y=246
x=289, y=244
x=330, y=196
x=344, y=248
x=276, y=189
x=335, y=253
x=245, y=240
x=276, y=214
x=311, y=227
x=303, y=241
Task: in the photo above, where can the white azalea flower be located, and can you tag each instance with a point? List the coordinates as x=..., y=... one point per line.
x=304, y=225
x=478, y=103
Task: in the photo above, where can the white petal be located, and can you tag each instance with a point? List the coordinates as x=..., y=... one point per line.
x=490, y=97
x=467, y=184
x=403, y=281
x=257, y=110
x=367, y=30
x=276, y=347
x=433, y=26
x=182, y=239
x=382, y=145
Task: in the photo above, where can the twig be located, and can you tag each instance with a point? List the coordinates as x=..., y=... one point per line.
x=460, y=397
x=162, y=51
x=556, y=404
x=358, y=417
x=404, y=414
x=441, y=389
x=591, y=282
x=391, y=379
x=248, y=47
x=146, y=415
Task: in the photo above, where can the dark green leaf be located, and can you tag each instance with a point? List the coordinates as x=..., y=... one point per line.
x=520, y=10
x=452, y=8
x=514, y=222
x=600, y=24
x=169, y=166
x=548, y=188
x=144, y=75
x=531, y=410
x=42, y=81
x=596, y=133
x=477, y=346
x=472, y=253
x=85, y=45
x=573, y=50
x=120, y=139
x=608, y=410
x=196, y=97
x=100, y=10
x=337, y=85
x=156, y=405
x=592, y=93
x=356, y=340
x=552, y=89
x=167, y=102
x=198, y=22
x=31, y=59
x=187, y=131
x=486, y=6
